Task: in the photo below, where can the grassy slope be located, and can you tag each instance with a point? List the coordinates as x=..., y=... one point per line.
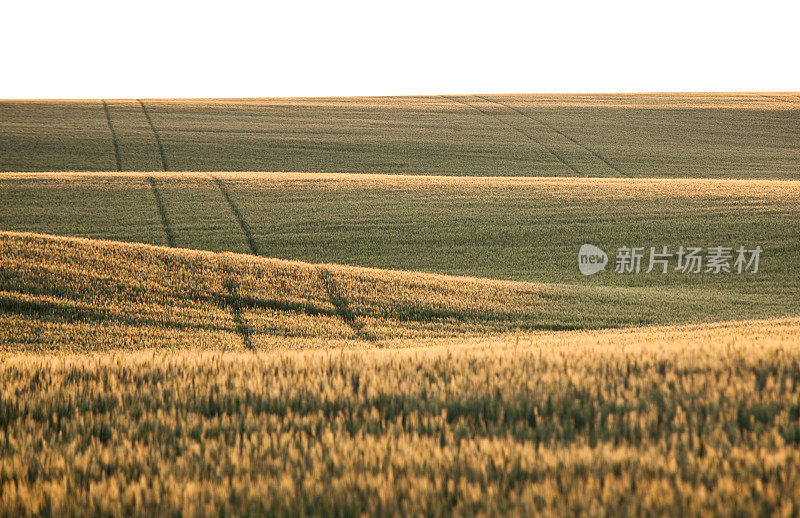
x=498, y=228
x=644, y=135
x=126, y=387
x=684, y=421
x=76, y=294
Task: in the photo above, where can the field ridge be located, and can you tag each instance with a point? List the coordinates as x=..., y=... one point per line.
x=59, y=292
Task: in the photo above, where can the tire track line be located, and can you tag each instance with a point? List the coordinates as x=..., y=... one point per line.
x=18, y=300
x=235, y=305
x=552, y=128
x=113, y=135
x=239, y=217
x=49, y=304
x=342, y=306
x=162, y=210
x=232, y=285
x=155, y=133
x=524, y=134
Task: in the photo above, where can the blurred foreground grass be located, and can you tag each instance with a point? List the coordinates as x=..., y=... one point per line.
x=687, y=420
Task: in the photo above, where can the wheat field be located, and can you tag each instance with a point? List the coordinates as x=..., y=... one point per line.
x=709, y=135
x=676, y=420
x=372, y=307
x=140, y=380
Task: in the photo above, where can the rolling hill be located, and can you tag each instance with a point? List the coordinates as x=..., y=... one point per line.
x=733, y=135
x=515, y=229
x=71, y=294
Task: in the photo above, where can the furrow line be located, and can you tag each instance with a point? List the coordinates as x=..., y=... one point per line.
x=155, y=133
x=239, y=217
x=162, y=210
x=524, y=134
x=232, y=285
x=552, y=128
x=113, y=135
x=342, y=306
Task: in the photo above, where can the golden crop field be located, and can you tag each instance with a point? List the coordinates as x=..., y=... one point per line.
x=140, y=380
x=677, y=420
x=373, y=307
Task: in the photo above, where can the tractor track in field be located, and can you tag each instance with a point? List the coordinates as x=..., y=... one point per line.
x=235, y=305
x=157, y=136
x=231, y=283
x=113, y=135
x=76, y=309
x=12, y=300
x=524, y=134
x=342, y=306
x=162, y=210
x=553, y=128
x=251, y=242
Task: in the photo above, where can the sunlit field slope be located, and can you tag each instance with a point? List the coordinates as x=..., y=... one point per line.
x=517, y=229
x=65, y=294
x=741, y=135
x=683, y=421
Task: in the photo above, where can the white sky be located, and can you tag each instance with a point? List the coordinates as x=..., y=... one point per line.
x=114, y=49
